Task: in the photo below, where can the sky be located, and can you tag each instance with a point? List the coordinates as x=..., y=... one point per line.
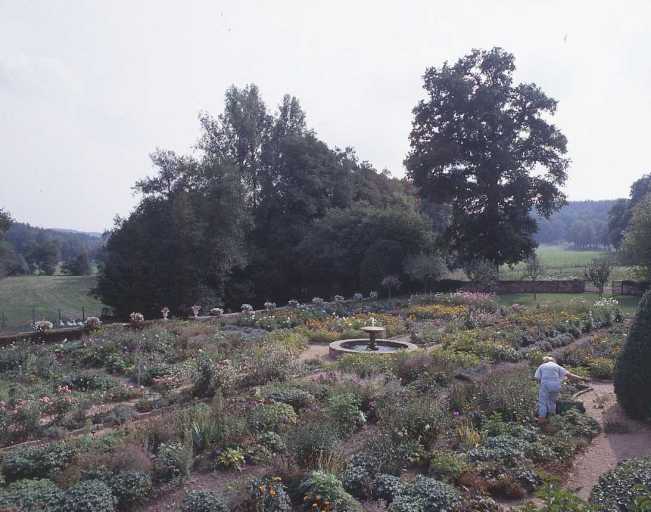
x=88, y=89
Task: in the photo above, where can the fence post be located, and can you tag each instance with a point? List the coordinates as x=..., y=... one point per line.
x=83, y=314
x=59, y=316
x=33, y=315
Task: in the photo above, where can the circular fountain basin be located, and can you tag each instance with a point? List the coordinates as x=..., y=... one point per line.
x=360, y=346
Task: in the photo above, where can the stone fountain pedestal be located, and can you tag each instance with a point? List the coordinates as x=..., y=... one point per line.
x=373, y=332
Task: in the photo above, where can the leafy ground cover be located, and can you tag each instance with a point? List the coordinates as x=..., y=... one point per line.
x=128, y=416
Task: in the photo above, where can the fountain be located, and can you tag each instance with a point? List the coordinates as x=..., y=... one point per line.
x=373, y=345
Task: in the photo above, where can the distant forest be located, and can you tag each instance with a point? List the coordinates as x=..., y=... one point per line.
x=31, y=250
x=583, y=224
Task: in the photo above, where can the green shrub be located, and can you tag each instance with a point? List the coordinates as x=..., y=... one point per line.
x=130, y=488
x=231, y=458
x=505, y=448
x=601, y=368
x=617, y=489
x=426, y=495
x=447, y=466
x=632, y=376
x=344, y=408
x=312, y=440
x=173, y=462
x=203, y=501
x=363, y=365
x=575, y=424
x=393, y=453
x=272, y=442
x=509, y=392
x=89, y=496
x=39, y=495
x=274, y=417
x=203, y=382
x=39, y=461
x=269, y=495
x=320, y=488
x=417, y=418
x=386, y=487
x=296, y=397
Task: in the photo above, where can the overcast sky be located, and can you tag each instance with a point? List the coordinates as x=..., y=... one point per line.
x=89, y=88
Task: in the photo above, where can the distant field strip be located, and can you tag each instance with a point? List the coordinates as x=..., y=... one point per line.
x=43, y=297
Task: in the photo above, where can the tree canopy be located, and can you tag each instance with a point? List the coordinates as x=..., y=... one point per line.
x=264, y=210
x=484, y=145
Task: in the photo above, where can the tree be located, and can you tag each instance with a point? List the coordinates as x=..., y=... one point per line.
x=391, y=283
x=621, y=213
x=5, y=222
x=425, y=268
x=632, y=376
x=533, y=270
x=79, y=266
x=484, y=145
x=598, y=272
x=43, y=255
x=636, y=244
x=482, y=273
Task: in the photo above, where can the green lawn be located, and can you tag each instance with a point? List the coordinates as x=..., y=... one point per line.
x=45, y=296
x=563, y=263
x=628, y=304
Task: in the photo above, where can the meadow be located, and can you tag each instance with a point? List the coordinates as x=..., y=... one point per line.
x=561, y=262
x=43, y=296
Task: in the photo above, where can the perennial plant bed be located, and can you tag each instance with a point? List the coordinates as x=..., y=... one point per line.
x=181, y=399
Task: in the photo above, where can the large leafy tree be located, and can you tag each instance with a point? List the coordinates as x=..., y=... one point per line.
x=621, y=213
x=486, y=146
x=636, y=243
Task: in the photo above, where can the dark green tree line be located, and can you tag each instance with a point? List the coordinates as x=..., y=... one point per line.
x=247, y=219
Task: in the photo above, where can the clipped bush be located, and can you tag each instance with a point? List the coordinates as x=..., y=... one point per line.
x=320, y=489
x=204, y=501
x=618, y=488
x=89, y=496
x=33, y=495
x=632, y=376
x=426, y=495
x=386, y=487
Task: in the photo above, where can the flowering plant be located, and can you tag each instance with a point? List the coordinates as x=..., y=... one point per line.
x=270, y=306
x=92, y=322
x=195, y=310
x=246, y=308
x=358, y=296
x=136, y=319
x=317, y=300
x=43, y=326
x=339, y=298
x=165, y=312
x=373, y=295
x=216, y=311
x=293, y=303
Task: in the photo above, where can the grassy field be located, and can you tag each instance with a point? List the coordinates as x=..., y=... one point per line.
x=627, y=304
x=44, y=296
x=563, y=263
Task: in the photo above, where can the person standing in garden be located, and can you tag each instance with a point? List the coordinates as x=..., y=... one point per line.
x=550, y=376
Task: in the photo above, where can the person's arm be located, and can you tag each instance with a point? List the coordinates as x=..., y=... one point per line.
x=574, y=376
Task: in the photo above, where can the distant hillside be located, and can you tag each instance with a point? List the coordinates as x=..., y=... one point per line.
x=581, y=223
x=27, y=249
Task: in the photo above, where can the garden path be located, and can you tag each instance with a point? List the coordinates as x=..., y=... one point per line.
x=621, y=438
